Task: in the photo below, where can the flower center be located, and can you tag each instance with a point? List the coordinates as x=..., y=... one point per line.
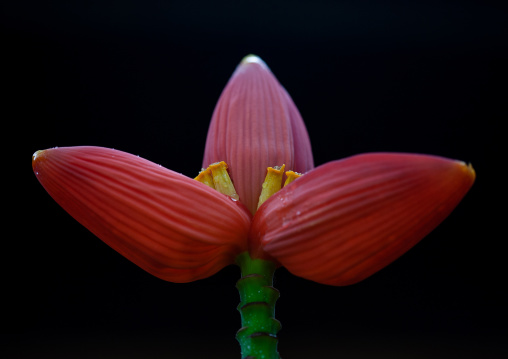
x=216, y=176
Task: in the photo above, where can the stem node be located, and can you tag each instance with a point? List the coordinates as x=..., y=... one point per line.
x=258, y=335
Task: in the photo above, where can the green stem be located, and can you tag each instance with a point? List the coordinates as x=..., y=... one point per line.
x=258, y=335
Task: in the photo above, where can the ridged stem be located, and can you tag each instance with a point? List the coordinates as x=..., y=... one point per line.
x=258, y=335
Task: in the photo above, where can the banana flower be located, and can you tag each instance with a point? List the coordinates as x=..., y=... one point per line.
x=258, y=202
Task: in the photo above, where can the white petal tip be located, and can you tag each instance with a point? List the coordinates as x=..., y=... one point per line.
x=253, y=59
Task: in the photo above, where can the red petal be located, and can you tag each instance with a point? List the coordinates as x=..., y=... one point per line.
x=170, y=225
x=347, y=219
x=256, y=125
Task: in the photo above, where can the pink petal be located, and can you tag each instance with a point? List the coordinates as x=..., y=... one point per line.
x=170, y=225
x=347, y=219
x=256, y=125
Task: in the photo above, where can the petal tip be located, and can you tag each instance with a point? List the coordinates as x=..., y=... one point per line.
x=467, y=169
x=470, y=170
x=253, y=59
x=37, y=156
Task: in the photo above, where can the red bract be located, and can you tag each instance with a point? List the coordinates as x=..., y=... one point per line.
x=170, y=225
x=256, y=125
x=337, y=224
x=345, y=220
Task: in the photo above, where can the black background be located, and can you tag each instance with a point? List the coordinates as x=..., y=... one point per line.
x=144, y=76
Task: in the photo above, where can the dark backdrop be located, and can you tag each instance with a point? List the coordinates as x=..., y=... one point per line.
x=144, y=76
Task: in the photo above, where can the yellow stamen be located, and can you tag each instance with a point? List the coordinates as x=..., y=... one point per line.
x=205, y=176
x=291, y=176
x=222, y=181
x=216, y=176
x=272, y=183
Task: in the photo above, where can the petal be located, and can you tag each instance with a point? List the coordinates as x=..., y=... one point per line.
x=173, y=227
x=347, y=219
x=256, y=125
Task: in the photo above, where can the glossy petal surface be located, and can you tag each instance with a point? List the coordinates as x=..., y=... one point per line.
x=347, y=219
x=170, y=225
x=256, y=125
